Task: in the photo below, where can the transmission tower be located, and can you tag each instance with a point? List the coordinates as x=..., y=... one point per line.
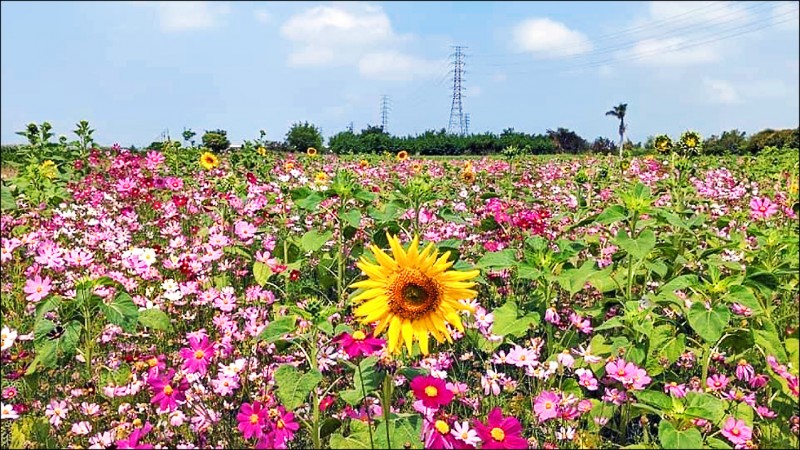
x=466, y=123
x=350, y=127
x=456, y=109
x=385, y=113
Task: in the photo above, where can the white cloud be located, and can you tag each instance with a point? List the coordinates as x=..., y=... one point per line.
x=185, y=16
x=262, y=15
x=352, y=34
x=721, y=91
x=545, y=38
x=605, y=71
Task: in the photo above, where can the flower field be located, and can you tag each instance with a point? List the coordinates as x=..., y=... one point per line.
x=181, y=299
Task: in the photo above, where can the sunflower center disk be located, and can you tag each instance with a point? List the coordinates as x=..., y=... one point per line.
x=413, y=294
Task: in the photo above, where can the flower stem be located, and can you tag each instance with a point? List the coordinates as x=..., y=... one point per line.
x=388, y=384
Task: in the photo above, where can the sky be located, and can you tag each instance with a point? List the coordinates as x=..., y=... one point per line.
x=137, y=69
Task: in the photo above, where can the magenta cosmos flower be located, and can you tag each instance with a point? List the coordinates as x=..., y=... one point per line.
x=252, y=419
x=37, y=288
x=359, y=344
x=762, y=208
x=736, y=431
x=285, y=426
x=198, y=357
x=132, y=442
x=431, y=391
x=167, y=393
x=500, y=432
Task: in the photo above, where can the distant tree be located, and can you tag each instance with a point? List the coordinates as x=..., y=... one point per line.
x=603, y=146
x=156, y=145
x=731, y=142
x=619, y=112
x=789, y=138
x=566, y=141
x=216, y=140
x=302, y=136
x=188, y=134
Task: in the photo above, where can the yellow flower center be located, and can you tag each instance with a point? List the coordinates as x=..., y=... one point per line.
x=152, y=362
x=498, y=434
x=359, y=335
x=281, y=424
x=253, y=419
x=735, y=431
x=742, y=362
x=412, y=294
x=431, y=391
x=442, y=426
x=38, y=289
x=548, y=405
x=199, y=354
x=168, y=390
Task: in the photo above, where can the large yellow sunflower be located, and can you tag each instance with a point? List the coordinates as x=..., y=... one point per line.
x=412, y=294
x=208, y=160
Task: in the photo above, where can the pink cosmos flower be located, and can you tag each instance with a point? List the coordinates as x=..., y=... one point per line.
x=252, y=419
x=37, y=288
x=546, y=406
x=436, y=434
x=167, y=392
x=762, y=208
x=431, y=391
x=359, y=343
x=462, y=432
x=737, y=431
x=500, y=432
x=678, y=390
x=717, y=382
x=586, y=379
x=56, y=411
x=621, y=371
x=198, y=357
x=244, y=230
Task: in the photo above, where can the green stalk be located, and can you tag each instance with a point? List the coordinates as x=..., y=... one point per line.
x=387, y=405
x=364, y=394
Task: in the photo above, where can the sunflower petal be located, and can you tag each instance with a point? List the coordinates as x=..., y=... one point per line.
x=408, y=335
x=422, y=337
x=368, y=294
x=394, y=334
x=397, y=251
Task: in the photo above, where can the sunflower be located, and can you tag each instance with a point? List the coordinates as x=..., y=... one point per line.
x=416, y=167
x=321, y=177
x=402, y=155
x=208, y=160
x=48, y=169
x=262, y=151
x=363, y=164
x=468, y=176
x=412, y=294
x=311, y=151
x=663, y=143
x=691, y=142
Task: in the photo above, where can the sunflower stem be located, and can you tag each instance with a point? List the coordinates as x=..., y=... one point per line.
x=388, y=384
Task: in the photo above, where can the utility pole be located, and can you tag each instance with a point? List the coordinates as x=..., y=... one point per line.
x=385, y=113
x=456, y=108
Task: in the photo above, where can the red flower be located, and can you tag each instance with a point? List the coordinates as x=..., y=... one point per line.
x=251, y=178
x=326, y=402
x=500, y=432
x=359, y=344
x=294, y=275
x=432, y=391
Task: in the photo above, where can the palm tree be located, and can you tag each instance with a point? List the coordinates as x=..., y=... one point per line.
x=619, y=112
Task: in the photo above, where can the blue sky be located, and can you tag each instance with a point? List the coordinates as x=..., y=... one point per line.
x=135, y=69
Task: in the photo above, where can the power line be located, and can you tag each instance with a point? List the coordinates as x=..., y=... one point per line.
x=720, y=36
x=680, y=32
x=456, y=108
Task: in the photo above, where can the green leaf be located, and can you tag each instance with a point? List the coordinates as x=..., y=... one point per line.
x=370, y=378
x=498, y=260
x=678, y=283
x=614, y=322
x=121, y=311
x=352, y=218
x=717, y=443
x=573, y=280
x=261, y=272
x=673, y=439
x=744, y=296
x=638, y=248
x=355, y=441
x=655, y=398
x=50, y=348
x=705, y=406
x=506, y=322
x=527, y=271
x=156, y=319
x=313, y=240
x=278, y=328
x=402, y=432
x=328, y=426
x=708, y=324
x=310, y=202
x=771, y=343
x=7, y=201
x=612, y=214
x=294, y=386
